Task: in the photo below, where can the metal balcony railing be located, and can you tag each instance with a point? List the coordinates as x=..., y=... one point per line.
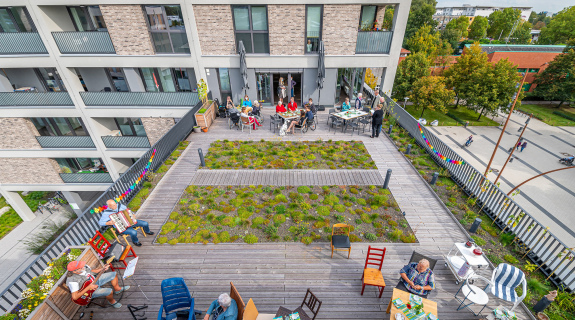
x=24, y=99
x=92, y=177
x=21, y=43
x=95, y=42
x=373, y=42
x=126, y=142
x=65, y=142
x=156, y=99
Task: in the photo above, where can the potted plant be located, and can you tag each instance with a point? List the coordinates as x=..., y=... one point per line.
x=197, y=129
x=207, y=113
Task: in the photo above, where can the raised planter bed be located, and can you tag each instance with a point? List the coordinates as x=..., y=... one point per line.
x=206, y=115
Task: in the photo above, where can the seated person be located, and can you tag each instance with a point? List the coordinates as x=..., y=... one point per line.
x=311, y=106
x=114, y=208
x=256, y=108
x=252, y=120
x=292, y=105
x=296, y=122
x=247, y=103
x=417, y=278
x=78, y=273
x=345, y=106
x=230, y=106
x=308, y=114
x=223, y=308
x=280, y=106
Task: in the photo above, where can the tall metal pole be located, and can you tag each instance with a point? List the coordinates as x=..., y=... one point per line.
x=537, y=176
x=505, y=126
x=513, y=149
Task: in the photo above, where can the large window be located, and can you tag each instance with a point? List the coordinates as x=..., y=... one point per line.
x=87, y=18
x=224, y=78
x=59, y=126
x=251, y=27
x=130, y=126
x=166, y=80
x=367, y=17
x=15, y=19
x=117, y=79
x=313, y=27
x=166, y=25
x=81, y=165
x=50, y=79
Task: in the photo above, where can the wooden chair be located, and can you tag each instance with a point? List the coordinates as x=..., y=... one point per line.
x=339, y=241
x=371, y=276
x=313, y=304
x=102, y=245
x=234, y=294
x=251, y=313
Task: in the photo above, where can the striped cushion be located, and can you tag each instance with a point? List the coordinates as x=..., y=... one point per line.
x=507, y=278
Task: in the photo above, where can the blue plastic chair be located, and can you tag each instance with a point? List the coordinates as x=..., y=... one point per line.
x=176, y=299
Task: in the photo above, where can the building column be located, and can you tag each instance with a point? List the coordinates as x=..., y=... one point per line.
x=76, y=203
x=15, y=200
x=5, y=85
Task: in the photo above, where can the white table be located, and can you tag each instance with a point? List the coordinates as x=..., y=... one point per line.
x=458, y=255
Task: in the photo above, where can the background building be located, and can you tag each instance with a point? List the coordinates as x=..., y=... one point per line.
x=445, y=14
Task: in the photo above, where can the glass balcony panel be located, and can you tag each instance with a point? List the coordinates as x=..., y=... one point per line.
x=140, y=98
x=373, y=42
x=126, y=142
x=84, y=42
x=86, y=177
x=17, y=99
x=65, y=142
x=21, y=43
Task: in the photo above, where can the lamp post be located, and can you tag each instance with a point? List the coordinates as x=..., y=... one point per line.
x=513, y=149
x=404, y=102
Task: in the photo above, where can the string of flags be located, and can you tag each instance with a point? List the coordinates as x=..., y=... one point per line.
x=444, y=158
x=132, y=187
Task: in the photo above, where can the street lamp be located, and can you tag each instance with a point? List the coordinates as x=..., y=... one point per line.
x=404, y=102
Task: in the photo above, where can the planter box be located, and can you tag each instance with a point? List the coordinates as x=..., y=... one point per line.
x=207, y=118
x=58, y=304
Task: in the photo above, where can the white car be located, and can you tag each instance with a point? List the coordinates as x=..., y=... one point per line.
x=422, y=121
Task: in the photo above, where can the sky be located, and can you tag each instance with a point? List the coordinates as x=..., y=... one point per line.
x=538, y=5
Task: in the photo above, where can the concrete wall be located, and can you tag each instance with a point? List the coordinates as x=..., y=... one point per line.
x=29, y=171
x=213, y=84
x=128, y=29
x=286, y=29
x=134, y=80
x=157, y=127
x=57, y=18
x=215, y=29
x=18, y=133
x=24, y=77
x=95, y=79
x=5, y=85
x=122, y=164
x=310, y=89
x=340, y=23
x=237, y=83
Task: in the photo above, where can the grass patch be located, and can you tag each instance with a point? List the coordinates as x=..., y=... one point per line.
x=462, y=112
x=544, y=112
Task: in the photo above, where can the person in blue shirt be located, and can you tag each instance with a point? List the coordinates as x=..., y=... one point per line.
x=247, y=102
x=223, y=308
x=345, y=106
x=113, y=207
x=308, y=114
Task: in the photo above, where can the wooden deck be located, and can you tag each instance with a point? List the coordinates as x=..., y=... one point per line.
x=278, y=274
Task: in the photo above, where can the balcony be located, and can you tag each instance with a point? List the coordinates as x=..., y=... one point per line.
x=84, y=42
x=126, y=142
x=65, y=142
x=140, y=99
x=21, y=43
x=23, y=99
x=373, y=42
x=86, y=177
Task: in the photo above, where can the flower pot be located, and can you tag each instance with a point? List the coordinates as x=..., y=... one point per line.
x=197, y=129
x=205, y=129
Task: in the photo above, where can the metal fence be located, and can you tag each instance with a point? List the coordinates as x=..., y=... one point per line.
x=65, y=142
x=126, y=142
x=24, y=99
x=542, y=246
x=157, y=99
x=83, y=228
x=96, y=42
x=373, y=42
x=21, y=43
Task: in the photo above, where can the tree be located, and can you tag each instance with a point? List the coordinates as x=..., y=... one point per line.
x=522, y=33
x=501, y=22
x=387, y=22
x=425, y=40
x=539, y=25
x=478, y=28
x=560, y=29
x=460, y=24
x=557, y=81
x=532, y=17
x=420, y=14
x=415, y=66
x=370, y=79
x=431, y=93
x=451, y=36
x=444, y=52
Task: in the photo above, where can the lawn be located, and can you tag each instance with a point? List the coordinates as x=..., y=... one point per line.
x=288, y=155
x=11, y=219
x=463, y=113
x=544, y=112
x=267, y=214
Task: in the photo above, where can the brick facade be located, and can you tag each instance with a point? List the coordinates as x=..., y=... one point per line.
x=340, y=24
x=286, y=29
x=18, y=133
x=215, y=29
x=29, y=171
x=128, y=29
x=380, y=15
x=157, y=127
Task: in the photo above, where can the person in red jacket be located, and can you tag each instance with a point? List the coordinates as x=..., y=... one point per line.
x=292, y=105
x=280, y=107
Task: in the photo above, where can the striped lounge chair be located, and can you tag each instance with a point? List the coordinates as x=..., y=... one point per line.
x=505, y=279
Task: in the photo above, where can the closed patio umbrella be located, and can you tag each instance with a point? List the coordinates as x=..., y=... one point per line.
x=320, y=69
x=243, y=66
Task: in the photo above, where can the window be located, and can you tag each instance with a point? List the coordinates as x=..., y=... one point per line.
x=87, y=18
x=166, y=79
x=15, y=19
x=534, y=70
x=183, y=82
x=367, y=17
x=166, y=25
x=130, y=126
x=251, y=27
x=59, y=126
x=521, y=70
x=224, y=78
x=117, y=79
x=51, y=79
x=313, y=27
x=81, y=165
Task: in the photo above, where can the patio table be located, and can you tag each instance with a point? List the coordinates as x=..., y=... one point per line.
x=289, y=115
x=351, y=114
x=428, y=305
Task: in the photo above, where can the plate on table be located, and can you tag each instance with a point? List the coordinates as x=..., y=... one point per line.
x=399, y=316
x=415, y=299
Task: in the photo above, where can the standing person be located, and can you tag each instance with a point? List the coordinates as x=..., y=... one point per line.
x=376, y=121
x=376, y=100
x=292, y=105
x=282, y=89
x=309, y=46
x=523, y=146
x=280, y=107
x=359, y=102
x=113, y=207
x=518, y=145
x=468, y=142
x=293, y=83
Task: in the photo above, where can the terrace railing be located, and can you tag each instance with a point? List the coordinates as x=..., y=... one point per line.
x=156, y=99
x=92, y=177
x=17, y=43
x=83, y=228
x=378, y=42
x=95, y=42
x=126, y=142
x=65, y=141
x=543, y=247
x=34, y=99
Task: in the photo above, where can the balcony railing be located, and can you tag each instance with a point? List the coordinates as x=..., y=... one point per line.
x=86, y=177
x=84, y=42
x=126, y=142
x=373, y=42
x=11, y=99
x=65, y=142
x=21, y=43
x=156, y=99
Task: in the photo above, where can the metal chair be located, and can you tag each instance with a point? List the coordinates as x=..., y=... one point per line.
x=245, y=122
x=312, y=303
x=339, y=241
x=329, y=115
x=310, y=125
x=365, y=121
x=234, y=120
x=473, y=293
x=354, y=124
x=371, y=276
x=505, y=279
x=276, y=121
x=176, y=300
x=336, y=122
x=302, y=127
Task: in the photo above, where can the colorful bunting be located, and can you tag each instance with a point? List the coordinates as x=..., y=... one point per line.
x=132, y=187
x=444, y=158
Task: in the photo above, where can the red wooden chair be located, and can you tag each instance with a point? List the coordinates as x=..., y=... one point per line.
x=102, y=245
x=372, y=276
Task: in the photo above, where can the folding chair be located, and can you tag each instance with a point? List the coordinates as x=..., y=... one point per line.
x=103, y=246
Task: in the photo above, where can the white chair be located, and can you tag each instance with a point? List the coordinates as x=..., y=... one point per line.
x=505, y=279
x=473, y=293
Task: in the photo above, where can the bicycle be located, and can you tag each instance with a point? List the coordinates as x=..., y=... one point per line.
x=42, y=207
x=60, y=197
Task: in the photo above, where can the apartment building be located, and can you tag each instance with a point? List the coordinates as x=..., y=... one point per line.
x=445, y=14
x=87, y=86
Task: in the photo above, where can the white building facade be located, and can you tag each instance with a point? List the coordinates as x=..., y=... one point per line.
x=445, y=14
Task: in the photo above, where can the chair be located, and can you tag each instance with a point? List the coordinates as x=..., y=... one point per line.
x=276, y=121
x=339, y=241
x=252, y=313
x=234, y=294
x=176, y=300
x=505, y=279
x=329, y=115
x=416, y=257
x=234, y=120
x=336, y=122
x=246, y=123
x=371, y=276
x=365, y=121
x=312, y=302
x=310, y=125
x=473, y=293
x=354, y=124
x=303, y=126
x=103, y=246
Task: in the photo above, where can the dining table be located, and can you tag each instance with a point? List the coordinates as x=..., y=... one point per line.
x=350, y=114
x=428, y=305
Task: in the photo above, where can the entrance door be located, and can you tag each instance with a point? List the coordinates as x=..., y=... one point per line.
x=297, y=92
x=264, y=83
x=280, y=90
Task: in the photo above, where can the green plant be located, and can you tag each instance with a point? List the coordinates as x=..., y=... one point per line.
x=202, y=110
x=479, y=241
x=303, y=189
x=529, y=267
x=511, y=259
x=250, y=239
x=162, y=240
x=494, y=259
x=307, y=240
x=506, y=239
x=323, y=210
x=395, y=234
x=224, y=236
x=408, y=239
x=173, y=241
x=537, y=287
x=370, y=236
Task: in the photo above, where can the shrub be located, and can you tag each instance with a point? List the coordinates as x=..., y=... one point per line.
x=224, y=236
x=392, y=223
x=494, y=259
x=271, y=230
x=162, y=240
x=395, y=234
x=281, y=209
x=348, y=204
x=366, y=218
x=358, y=221
x=257, y=221
x=536, y=286
x=163, y=168
x=379, y=200
x=370, y=236
x=303, y=189
x=313, y=196
x=323, y=210
x=377, y=225
x=250, y=239
x=173, y=241
x=506, y=238
x=279, y=218
x=307, y=240
x=354, y=238
x=511, y=259
x=339, y=208
x=330, y=200
x=408, y=239
x=339, y=218
x=480, y=242
x=361, y=202
x=281, y=198
x=353, y=190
